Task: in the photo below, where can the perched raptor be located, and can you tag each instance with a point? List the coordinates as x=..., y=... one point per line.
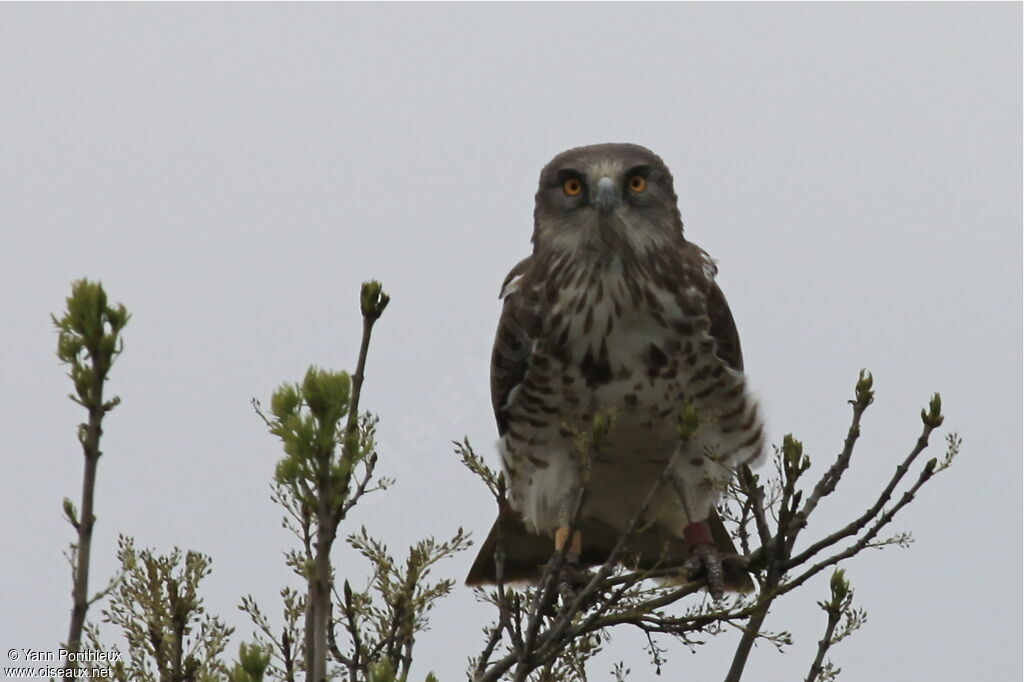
x=615, y=313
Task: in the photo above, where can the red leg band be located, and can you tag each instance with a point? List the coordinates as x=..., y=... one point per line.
x=698, y=533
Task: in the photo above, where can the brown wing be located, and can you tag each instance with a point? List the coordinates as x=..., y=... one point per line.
x=723, y=328
x=517, y=328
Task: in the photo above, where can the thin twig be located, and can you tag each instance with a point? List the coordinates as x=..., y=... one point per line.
x=857, y=524
x=817, y=666
x=827, y=484
x=865, y=540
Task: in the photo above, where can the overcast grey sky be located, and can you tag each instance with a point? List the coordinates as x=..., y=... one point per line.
x=233, y=172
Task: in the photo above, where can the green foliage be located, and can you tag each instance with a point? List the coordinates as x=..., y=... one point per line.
x=382, y=621
x=587, y=441
x=843, y=620
x=89, y=339
x=372, y=300
x=308, y=419
x=283, y=644
x=476, y=464
x=864, y=393
x=840, y=587
x=159, y=611
x=328, y=466
x=933, y=416
x=689, y=422
x=794, y=461
x=322, y=445
x=70, y=512
x=252, y=664
x=384, y=671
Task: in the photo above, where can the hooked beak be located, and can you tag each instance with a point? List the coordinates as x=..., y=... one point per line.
x=607, y=196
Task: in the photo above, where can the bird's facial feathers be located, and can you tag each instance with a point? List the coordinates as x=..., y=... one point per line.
x=606, y=199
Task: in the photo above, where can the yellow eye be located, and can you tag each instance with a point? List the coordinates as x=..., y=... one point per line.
x=572, y=187
x=638, y=183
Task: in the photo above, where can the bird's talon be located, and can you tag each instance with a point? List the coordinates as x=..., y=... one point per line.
x=571, y=574
x=707, y=561
x=569, y=579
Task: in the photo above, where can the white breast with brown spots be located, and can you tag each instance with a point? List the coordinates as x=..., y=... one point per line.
x=642, y=357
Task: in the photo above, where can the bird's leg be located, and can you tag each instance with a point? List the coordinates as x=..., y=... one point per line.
x=566, y=518
x=570, y=575
x=572, y=556
x=704, y=558
x=568, y=543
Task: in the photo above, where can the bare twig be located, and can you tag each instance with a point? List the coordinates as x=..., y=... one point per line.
x=827, y=484
x=817, y=665
x=857, y=524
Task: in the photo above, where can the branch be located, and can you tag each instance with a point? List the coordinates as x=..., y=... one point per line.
x=865, y=540
x=838, y=606
x=817, y=666
x=558, y=641
x=827, y=484
x=89, y=341
x=857, y=524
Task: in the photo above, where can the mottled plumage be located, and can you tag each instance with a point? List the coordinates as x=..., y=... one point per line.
x=614, y=311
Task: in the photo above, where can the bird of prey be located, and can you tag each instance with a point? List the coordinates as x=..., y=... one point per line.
x=615, y=313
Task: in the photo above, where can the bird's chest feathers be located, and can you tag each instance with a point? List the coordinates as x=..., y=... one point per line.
x=614, y=340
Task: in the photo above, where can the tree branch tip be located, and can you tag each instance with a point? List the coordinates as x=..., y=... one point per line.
x=932, y=417
x=372, y=300
x=865, y=394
